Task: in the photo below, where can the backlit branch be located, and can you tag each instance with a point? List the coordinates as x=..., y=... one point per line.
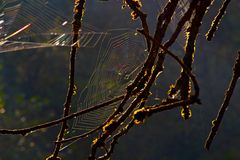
x=132, y=107
x=217, y=20
x=76, y=26
x=216, y=123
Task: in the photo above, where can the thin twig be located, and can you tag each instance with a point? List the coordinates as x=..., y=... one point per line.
x=75, y=138
x=185, y=68
x=162, y=25
x=25, y=131
x=192, y=33
x=144, y=75
x=146, y=111
x=186, y=17
x=115, y=138
x=77, y=23
x=183, y=84
x=138, y=13
x=217, y=20
x=216, y=123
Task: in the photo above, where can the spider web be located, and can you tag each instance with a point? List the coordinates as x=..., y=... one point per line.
x=118, y=62
x=120, y=58
x=29, y=24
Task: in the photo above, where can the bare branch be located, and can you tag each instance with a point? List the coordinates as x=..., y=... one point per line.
x=216, y=123
x=135, y=6
x=25, y=131
x=217, y=20
x=77, y=23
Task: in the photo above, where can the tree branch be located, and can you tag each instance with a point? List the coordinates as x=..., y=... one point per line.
x=216, y=123
x=25, y=131
x=217, y=20
x=79, y=11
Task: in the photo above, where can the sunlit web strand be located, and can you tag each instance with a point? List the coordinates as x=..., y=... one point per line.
x=49, y=17
x=38, y=36
x=117, y=40
x=91, y=81
x=7, y=17
x=134, y=46
x=113, y=43
x=98, y=79
x=120, y=57
x=89, y=40
x=101, y=57
x=42, y=17
x=41, y=13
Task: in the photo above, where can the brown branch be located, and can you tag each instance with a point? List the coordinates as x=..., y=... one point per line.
x=138, y=13
x=25, y=131
x=113, y=125
x=134, y=87
x=115, y=138
x=183, y=83
x=122, y=118
x=185, y=68
x=163, y=22
x=140, y=115
x=186, y=17
x=142, y=84
x=144, y=75
x=144, y=112
x=74, y=138
x=216, y=123
x=78, y=137
x=190, y=100
x=192, y=33
x=77, y=23
x=217, y=20
x=110, y=127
